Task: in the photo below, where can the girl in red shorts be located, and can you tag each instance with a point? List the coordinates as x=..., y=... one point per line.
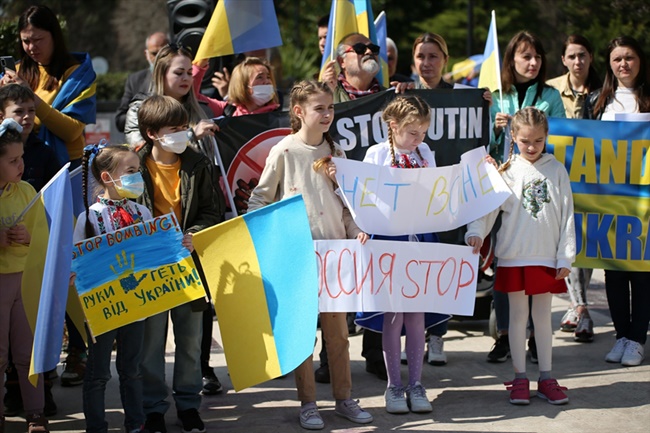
x=535, y=247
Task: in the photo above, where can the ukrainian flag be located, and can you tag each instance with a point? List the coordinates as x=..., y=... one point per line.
x=343, y=21
x=47, y=271
x=490, y=76
x=261, y=270
x=238, y=26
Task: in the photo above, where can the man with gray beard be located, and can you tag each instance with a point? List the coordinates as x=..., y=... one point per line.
x=357, y=58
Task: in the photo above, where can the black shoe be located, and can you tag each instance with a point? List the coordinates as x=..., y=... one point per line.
x=532, y=350
x=500, y=351
x=13, y=400
x=211, y=384
x=155, y=423
x=190, y=421
x=377, y=368
x=322, y=374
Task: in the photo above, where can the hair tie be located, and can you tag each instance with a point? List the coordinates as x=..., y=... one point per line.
x=95, y=148
x=8, y=124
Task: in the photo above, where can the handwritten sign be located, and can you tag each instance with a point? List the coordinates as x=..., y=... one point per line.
x=392, y=201
x=134, y=273
x=396, y=276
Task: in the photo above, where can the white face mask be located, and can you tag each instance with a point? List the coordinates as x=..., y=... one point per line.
x=262, y=93
x=176, y=142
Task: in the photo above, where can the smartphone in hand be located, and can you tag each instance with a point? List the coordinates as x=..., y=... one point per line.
x=7, y=62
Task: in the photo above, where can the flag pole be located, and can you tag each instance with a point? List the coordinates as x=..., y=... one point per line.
x=218, y=161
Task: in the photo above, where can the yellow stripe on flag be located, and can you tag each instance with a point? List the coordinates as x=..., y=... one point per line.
x=236, y=285
x=217, y=40
x=488, y=77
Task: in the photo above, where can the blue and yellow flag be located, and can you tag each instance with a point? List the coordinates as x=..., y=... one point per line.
x=238, y=26
x=261, y=270
x=343, y=21
x=490, y=76
x=382, y=34
x=47, y=272
x=77, y=98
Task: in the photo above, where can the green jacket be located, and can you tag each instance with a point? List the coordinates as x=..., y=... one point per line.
x=550, y=102
x=202, y=201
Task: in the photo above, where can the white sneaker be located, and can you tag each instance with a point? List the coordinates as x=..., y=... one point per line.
x=435, y=351
x=633, y=354
x=617, y=351
x=396, y=400
x=417, y=400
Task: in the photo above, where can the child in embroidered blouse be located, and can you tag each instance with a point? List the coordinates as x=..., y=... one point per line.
x=407, y=118
x=535, y=250
x=115, y=168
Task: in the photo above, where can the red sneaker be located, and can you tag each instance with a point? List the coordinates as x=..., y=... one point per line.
x=551, y=391
x=519, y=391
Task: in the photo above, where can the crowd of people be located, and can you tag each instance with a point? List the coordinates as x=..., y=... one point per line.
x=168, y=163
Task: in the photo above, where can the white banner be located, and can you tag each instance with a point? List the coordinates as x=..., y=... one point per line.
x=396, y=276
x=393, y=201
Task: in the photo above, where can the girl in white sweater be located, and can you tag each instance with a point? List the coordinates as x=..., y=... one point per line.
x=535, y=247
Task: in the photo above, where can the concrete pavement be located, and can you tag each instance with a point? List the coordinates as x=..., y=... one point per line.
x=467, y=394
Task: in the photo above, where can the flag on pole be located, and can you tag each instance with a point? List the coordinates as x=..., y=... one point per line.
x=47, y=271
x=262, y=272
x=382, y=34
x=490, y=76
x=238, y=26
x=343, y=21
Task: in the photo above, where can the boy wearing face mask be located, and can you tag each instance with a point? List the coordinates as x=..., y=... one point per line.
x=179, y=178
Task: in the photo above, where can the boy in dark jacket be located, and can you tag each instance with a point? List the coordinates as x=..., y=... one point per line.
x=180, y=179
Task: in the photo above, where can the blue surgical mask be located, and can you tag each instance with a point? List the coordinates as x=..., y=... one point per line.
x=132, y=185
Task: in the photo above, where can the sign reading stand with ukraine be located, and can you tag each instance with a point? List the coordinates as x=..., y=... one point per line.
x=262, y=274
x=135, y=272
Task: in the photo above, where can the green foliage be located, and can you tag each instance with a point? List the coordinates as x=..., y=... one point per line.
x=110, y=86
x=297, y=64
x=9, y=38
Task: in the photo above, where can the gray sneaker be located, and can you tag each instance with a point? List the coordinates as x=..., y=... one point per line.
x=584, y=332
x=395, y=400
x=416, y=398
x=351, y=410
x=310, y=418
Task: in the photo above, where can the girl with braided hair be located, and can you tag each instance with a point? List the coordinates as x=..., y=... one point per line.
x=116, y=169
x=301, y=164
x=407, y=119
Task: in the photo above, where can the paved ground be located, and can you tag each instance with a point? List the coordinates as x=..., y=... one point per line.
x=467, y=393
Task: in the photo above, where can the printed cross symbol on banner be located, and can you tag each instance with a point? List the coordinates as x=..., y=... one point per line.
x=127, y=280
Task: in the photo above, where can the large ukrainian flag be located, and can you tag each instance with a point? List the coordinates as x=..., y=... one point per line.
x=238, y=26
x=261, y=270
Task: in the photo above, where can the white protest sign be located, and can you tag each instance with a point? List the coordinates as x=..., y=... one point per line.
x=393, y=201
x=396, y=276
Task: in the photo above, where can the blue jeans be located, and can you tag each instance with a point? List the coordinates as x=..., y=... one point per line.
x=187, y=382
x=98, y=373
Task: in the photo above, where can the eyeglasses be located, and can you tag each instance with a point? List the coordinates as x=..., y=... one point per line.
x=360, y=48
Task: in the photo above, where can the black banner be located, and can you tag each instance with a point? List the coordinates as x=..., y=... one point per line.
x=459, y=122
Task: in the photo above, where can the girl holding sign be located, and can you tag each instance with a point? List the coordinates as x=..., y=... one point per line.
x=115, y=168
x=408, y=119
x=301, y=164
x=536, y=249
x=15, y=195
